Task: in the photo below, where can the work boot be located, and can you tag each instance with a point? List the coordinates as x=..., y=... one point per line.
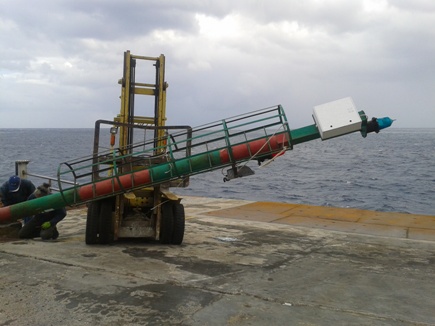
x=55, y=233
x=50, y=233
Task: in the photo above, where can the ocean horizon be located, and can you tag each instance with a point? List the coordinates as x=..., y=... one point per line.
x=391, y=171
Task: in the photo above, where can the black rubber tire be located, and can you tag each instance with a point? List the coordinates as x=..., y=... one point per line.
x=92, y=223
x=105, y=221
x=179, y=223
x=166, y=223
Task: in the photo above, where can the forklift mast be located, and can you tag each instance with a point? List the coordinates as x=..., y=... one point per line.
x=140, y=124
x=130, y=88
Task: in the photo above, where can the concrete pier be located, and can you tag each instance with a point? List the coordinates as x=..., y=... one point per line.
x=241, y=263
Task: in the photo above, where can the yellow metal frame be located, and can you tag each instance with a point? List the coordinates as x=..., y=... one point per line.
x=158, y=91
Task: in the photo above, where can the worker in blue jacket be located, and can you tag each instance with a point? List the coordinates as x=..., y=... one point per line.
x=15, y=190
x=43, y=224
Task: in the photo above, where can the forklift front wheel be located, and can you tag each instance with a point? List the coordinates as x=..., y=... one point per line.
x=92, y=223
x=106, y=223
x=166, y=223
x=99, y=225
x=172, y=223
x=179, y=223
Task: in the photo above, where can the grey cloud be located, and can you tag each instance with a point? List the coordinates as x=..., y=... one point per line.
x=68, y=57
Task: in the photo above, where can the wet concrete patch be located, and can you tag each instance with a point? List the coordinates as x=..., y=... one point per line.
x=392, y=259
x=90, y=255
x=156, y=304
x=209, y=256
x=192, y=265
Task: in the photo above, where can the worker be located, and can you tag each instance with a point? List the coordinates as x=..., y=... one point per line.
x=15, y=190
x=43, y=224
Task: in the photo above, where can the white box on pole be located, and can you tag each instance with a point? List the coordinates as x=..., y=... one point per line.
x=337, y=118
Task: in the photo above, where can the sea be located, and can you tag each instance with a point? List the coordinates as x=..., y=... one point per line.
x=393, y=171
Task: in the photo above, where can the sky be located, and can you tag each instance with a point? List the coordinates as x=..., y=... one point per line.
x=60, y=61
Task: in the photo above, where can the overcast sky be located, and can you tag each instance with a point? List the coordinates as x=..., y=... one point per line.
x=60, y=61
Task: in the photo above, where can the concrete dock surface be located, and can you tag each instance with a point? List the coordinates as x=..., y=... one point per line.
x=241, y=263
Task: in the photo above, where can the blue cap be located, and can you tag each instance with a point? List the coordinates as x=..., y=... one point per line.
x=14, y=183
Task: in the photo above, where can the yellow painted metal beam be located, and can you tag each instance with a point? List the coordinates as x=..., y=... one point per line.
x=144, y=91
x=349, y=220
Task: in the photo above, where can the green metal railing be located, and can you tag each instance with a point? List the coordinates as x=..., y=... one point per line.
x=193, y=151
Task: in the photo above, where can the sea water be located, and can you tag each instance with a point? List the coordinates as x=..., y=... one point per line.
x=390, y=171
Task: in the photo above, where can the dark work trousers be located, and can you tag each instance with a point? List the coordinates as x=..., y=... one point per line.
x=32, y=229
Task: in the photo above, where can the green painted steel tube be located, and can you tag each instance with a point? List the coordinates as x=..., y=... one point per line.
x=36, y=206
x=304, y=134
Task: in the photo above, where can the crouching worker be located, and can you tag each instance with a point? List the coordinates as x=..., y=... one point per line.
x=44, y=224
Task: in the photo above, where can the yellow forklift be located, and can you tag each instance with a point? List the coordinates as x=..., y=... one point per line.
x=149, y=212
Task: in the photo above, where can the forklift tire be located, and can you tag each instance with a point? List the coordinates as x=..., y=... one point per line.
x=179, y=223
x=166, y=223
x=92, y=223
x=105, y=221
